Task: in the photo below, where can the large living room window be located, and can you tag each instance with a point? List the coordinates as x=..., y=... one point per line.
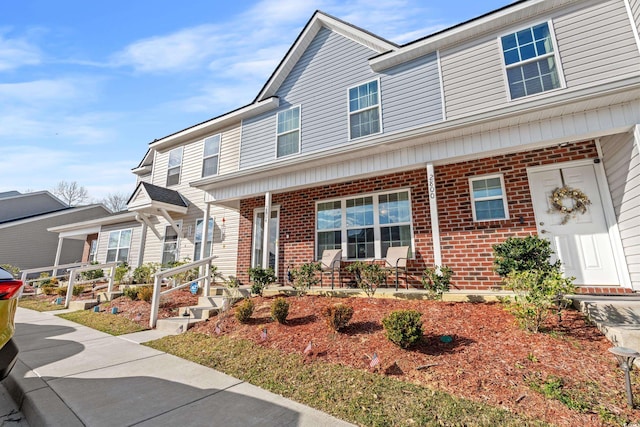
x=288, y=133
x=488, y=198
x=364, y=109
x=530, y=60
x=364, y=227
x=118, y=246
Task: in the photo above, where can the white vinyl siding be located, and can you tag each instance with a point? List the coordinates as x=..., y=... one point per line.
x=288, y=132
x=596, y=43
x=488, y=198
x=174, y=166
x=364, y=226
x=622, y=165
x=211, y=156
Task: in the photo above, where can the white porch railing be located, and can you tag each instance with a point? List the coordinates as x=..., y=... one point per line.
x=73, y=272
x=205, y=278
x=53, y=268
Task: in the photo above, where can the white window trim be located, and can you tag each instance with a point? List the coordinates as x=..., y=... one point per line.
x=505, y=204
x=117, y=248
x=174, y=167
x=254, y=242
x=204, y=157
x=299, y=129
x=377, y=240
x=350, y=113
x=555, y=54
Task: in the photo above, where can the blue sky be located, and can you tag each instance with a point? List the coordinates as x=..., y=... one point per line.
x=86, y=85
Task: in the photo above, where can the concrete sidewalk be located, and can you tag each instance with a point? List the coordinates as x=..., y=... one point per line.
x=71, y=375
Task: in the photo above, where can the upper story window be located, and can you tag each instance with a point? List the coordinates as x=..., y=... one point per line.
x=288, y=135
x=118, y=246
x=211, y=156
x=175, y=163
x=530, y=60
x=488, y=198
x=364, y=110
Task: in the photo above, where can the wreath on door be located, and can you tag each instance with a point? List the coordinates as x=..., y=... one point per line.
x=580, y=202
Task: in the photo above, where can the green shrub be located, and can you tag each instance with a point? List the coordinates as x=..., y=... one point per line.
x=49, y=289
x=261, y=278
x=145, y=293
x=522, y=254
x=189, y=275
x=538, y=294
x=338, y=316
x=15, y=271
x=144, y=274
x=77, y=290
x=304, y=276
x=45, y=279
x=244, y=310
x=62, y=291
x=130, y=292
x=92, y=274
x=437, y=280
x=280, y=310
x=403, y=327
x=120, y=275
x=369, y=277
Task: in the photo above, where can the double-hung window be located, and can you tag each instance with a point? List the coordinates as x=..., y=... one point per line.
x=118, y=246
x=364, y=109
x=170, y=245
x=488, y=198
x=288, y=133
x=175, y=163
x=530, y=60
x=364, y=227
x=198, y=239
x=211, y=156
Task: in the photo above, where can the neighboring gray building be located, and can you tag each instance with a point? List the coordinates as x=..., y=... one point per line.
x=24, y=219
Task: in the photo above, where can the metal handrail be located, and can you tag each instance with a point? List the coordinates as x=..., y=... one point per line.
x=159, y=276
x=74, y=271
x=52, y=268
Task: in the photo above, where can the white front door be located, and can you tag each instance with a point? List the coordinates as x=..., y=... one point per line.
x=582, y=243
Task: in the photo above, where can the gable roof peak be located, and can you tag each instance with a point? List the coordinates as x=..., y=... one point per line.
x=317, y=21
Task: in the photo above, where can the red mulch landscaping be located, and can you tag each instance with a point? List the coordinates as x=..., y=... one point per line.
x=489, y=359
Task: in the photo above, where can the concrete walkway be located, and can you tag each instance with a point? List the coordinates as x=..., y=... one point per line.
x=71, y=375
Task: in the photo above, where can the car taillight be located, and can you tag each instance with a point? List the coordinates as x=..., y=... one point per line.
x=9, y=288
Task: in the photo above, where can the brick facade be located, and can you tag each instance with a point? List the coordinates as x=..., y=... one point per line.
x=466, y=245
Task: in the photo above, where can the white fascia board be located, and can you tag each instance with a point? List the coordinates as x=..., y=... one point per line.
x=98, y=222
x=582, y=99
x=461, y=33
x=80, y=234
x=214, y=124
x=154, y=207
x=306, y=37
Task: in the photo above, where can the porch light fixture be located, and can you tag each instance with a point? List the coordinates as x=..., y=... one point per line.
x=625, y=357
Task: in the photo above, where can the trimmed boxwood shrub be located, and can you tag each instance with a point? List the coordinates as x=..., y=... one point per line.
x=338, y=316
x=403, y=327
x=280, y=310
x=244, y=311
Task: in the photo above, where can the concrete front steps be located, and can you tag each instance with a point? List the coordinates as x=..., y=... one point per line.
x=188, y=316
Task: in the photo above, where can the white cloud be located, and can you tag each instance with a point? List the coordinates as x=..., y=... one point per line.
x=37, y=91
x=17, y=52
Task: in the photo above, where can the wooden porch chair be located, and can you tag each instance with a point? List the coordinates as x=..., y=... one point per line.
x=330, y=262
x=396, y=259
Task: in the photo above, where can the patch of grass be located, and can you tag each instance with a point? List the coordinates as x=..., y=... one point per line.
x=354, y=395
x=105, y=322
x=38, y=304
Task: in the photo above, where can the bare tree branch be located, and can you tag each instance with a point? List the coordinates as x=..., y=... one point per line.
x=71, y=193
x=116, y=202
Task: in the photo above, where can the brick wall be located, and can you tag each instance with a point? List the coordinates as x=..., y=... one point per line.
x=87, y=246
x=466, y=245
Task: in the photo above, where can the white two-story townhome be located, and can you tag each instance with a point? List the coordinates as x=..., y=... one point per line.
x=448, y=144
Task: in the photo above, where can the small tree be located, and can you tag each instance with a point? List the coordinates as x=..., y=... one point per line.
x=523, y=254
x=71, y=193
x=304, y=277
x=115, y=202
x=437, y=280
x=261, y=278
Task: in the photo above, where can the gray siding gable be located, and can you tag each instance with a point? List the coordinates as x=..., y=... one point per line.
x=319, y=81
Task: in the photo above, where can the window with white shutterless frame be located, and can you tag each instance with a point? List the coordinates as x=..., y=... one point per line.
x=488, y=198
x=288, y=132
x=365, y=111
x=211, y=155
x=174, y=166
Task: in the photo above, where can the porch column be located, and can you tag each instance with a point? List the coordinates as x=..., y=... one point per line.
x=58, y=253
x=433, y=212
x=267, y=220
x=143, y=243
